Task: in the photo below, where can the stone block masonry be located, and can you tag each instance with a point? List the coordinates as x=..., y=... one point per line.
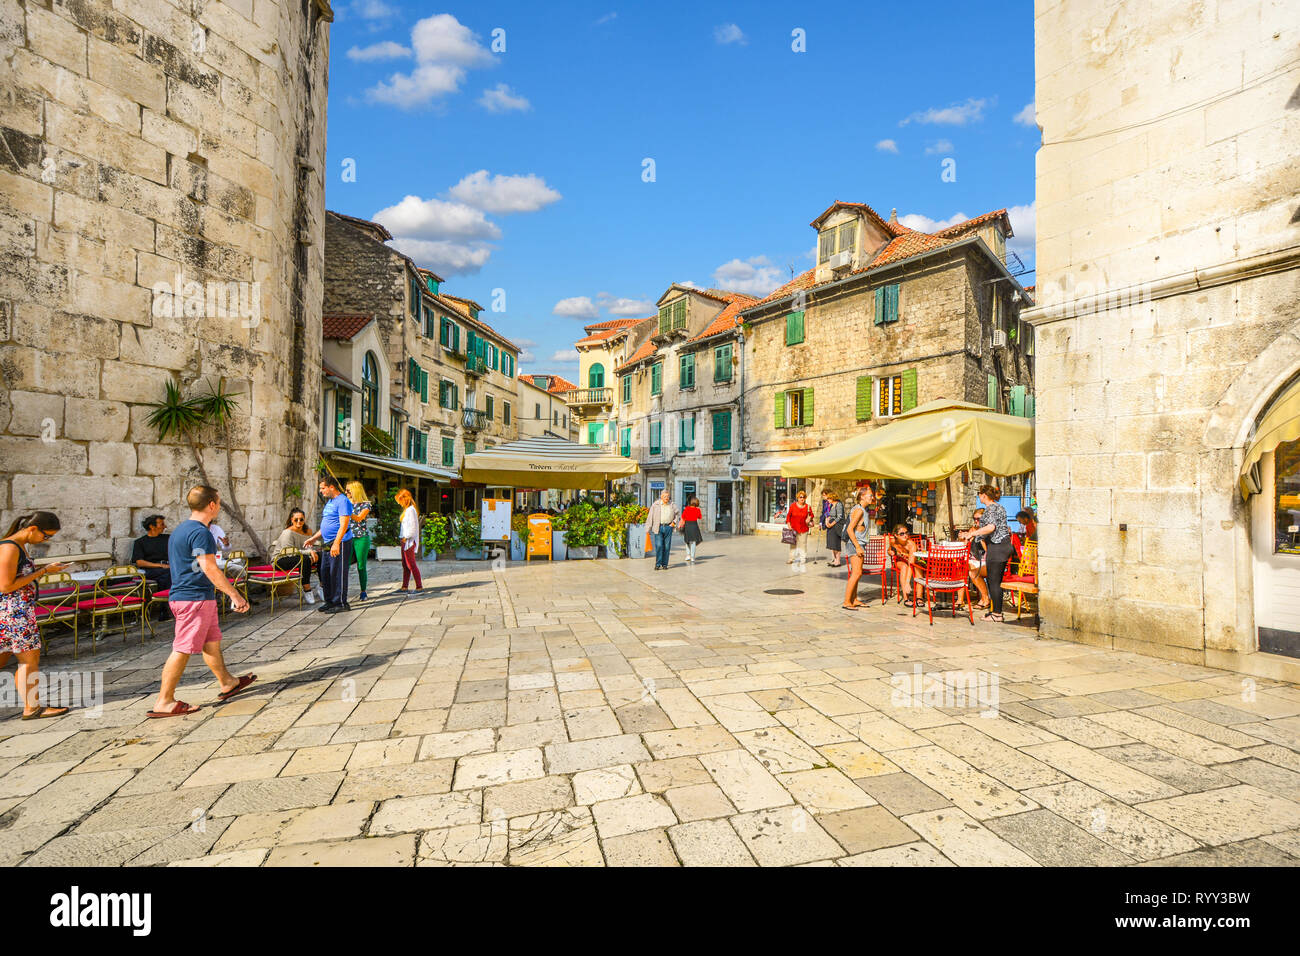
x=151, y=147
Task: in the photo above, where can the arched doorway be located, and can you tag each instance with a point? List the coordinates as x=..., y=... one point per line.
x=1270, y=479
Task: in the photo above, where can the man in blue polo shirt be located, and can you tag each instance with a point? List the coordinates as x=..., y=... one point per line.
x=336, y=534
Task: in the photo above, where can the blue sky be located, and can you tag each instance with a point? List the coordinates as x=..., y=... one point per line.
x=505, y=144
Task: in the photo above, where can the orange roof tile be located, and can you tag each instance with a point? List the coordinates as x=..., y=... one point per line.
x=973, y=223
x=557, y=384
x=612, y=325
x=647, y=349
x=729, y=317
x=343, y=326
x=860, y=206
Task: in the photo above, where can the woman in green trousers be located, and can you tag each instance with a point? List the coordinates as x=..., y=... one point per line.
x=361, y=509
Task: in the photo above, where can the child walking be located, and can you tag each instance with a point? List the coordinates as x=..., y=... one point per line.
x=690, y=527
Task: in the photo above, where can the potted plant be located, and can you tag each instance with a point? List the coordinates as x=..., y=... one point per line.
x=435, y=536
x=467, y=535
x=518, y=536
x=627, y=526
x=585, y=531
x=559, y=533
x=388, y=528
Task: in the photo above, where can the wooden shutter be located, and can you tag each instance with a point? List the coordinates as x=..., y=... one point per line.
x=424, y=385
x=993, y=393
x=779, y=415
x=864, y=398
x=1017, y=406
x=807, y=406
x=880, y=305
x=1029, y=406
x=794, y=328
x=891, y=303
x=455, y=396
x=909, y=389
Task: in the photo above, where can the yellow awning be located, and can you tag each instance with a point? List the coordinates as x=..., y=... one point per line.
x=546, y=463
x=1281, y=424
x=929, y=443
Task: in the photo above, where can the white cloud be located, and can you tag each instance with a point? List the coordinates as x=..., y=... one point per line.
x=939, y=146
x=388, y=50
x=503, y=194
x=1024, y=225
x=926, y=224
x=887, y=146
x=606, y=18
x=444, y=49
x=418, y=218
x=624, y=308
x=1027, y=116
x=526, y=347
x=959, y=114
x=565, y=357
x=445, y=257
x=372, y=10
x=729, y=33
x=688, y=284
x=756, y=275
x=502, y=99
x=577, y=307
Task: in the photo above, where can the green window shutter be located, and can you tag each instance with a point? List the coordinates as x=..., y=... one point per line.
x=807, y=406
x=1029, y=406
x=656, y=438
x=656, y=378
x=779, y=411
x=424, y=385
x=627, y=388
x=722, y=431
x=794, y=328
x=455, y=396
x=1017, y=401
x=687, y=370
x=891, y=303
x=864, y=398
x=470, y=447
x=455, y=337
x=722, y=363
x=880, y=306
x=909, y=389
x=993, y=393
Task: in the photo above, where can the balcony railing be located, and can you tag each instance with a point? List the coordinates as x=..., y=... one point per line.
x=589, y=396
x=475, y=365
x=475, y=420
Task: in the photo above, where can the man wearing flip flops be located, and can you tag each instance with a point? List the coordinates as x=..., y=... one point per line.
x=191, y=554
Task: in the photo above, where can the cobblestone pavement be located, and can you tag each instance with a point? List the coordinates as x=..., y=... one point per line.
x=602, y=713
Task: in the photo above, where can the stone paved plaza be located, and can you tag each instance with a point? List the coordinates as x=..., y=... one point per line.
x=601, y=713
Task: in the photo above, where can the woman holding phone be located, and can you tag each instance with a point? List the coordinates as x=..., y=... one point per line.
x=20, y=636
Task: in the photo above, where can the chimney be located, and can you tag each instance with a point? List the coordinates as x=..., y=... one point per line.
x=893, y=215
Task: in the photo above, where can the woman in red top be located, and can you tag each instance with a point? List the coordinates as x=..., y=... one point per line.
x=689, y=525
x=796, y=519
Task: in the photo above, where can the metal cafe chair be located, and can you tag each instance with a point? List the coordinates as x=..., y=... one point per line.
x=270, y=576
x=120, y=591
x=56, y=603
x=946, y=571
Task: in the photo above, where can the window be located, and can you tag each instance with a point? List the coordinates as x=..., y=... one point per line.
x=448, y=395
x=508, y=364
x=625, y=441
x=1286, y=498
x=627, y=389
x=665, y=318
x=490, y=406
x=596, y=376
x=430, y=325
x=449, y=453
x=896, y=394
x=370, y=390
x=656, y=438
x=416, y=300
x=555, y=418
x=538, y=414
x=448, y=334
x=1016, y=401
x=595, y=433
x=887, y=304
x=862, y=408
x=845, y=241
x=825, y=245
x=836, y=239
x=722, y=363
x=342, y=418
x=417, y=378
x=417, y=444
x=470, y=447
x=657, y=378
x=687, y=377
x=794, y=328
x=686, y=433
x=794, y=408
x=673, y=316
x=505, y=411
x=993, y=392
x=722, y=431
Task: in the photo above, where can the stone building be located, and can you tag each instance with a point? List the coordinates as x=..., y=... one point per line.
x=1168, y=329
x=452, y=384
x=888, y=319
x=541, y=407
x=160, y=221
x=677, y=402
x=605, y=346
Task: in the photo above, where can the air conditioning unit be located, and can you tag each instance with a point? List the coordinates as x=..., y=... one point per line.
x=999, y=339
x=840, y=260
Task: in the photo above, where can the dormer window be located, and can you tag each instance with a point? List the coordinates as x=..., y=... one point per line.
x=672, y=316
x=836, y=239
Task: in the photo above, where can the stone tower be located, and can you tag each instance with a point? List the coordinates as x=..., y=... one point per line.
x=161, y=209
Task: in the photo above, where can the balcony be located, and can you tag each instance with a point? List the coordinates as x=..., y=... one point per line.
x=590, y=398
x=476, y=365
x=475, y=420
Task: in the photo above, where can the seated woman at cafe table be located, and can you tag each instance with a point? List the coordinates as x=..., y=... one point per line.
x=902, y=547
x=298, y=536
x=979, y=574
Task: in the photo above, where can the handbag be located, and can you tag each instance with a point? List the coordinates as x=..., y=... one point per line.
x=788, y=536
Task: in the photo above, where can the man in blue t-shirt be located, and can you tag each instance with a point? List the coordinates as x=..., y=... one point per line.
x=336, y=533
x=195, y=580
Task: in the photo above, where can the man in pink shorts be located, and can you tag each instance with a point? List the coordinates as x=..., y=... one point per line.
x=191, y=555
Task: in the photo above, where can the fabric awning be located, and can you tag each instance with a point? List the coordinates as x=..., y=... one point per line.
x=397, y=466
x=546, y=462
x=766, y=464
x=1280, y=424
x=928, y=443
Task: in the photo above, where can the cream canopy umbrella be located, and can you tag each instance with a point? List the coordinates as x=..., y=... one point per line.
x=1281, y=424
x=929, y=443
x=546, y=463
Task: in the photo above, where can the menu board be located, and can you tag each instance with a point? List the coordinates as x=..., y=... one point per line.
x=496, y=519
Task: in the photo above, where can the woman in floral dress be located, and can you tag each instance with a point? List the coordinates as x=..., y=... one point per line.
x=19, y=635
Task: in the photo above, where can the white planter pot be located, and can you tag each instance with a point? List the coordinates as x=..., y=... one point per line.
x=582, y=554
x=388, y=552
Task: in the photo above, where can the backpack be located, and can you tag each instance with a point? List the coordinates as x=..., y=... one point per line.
x=841, y=527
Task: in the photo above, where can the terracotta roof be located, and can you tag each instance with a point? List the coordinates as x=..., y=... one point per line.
x=429, y=272
x=558, y=383
x=729, y=317
x=613, y=325
x=803, y=280
x=1030, y=288
x=860, y=207
x=363, y=223
x=343, y=326
x=976, y=222
x=647, y=349
x=456, y=298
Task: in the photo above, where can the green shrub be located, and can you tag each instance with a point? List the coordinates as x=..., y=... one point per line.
x=435, y=534
x=388, y=521
x=467, y=530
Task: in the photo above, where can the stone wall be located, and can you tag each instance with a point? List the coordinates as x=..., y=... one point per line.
x=1169, y=132
x=140, y=143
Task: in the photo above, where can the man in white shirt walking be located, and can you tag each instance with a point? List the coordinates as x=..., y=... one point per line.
x=663, y=514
